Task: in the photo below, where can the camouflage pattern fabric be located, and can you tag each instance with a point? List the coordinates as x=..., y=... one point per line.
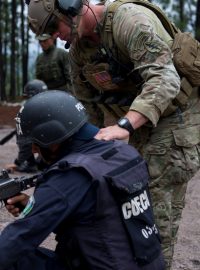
x=52, y=67
x=170, y=142
x=173, y=156
x=149, y=54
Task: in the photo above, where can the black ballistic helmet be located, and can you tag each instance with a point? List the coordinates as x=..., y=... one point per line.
x=34, y=87
x=50, y=117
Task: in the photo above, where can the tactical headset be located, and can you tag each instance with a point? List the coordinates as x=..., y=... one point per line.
x=69, y=7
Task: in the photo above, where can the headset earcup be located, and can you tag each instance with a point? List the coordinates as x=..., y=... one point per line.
x=70, y=7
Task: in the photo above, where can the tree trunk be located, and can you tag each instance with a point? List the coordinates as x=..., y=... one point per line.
x=2, y=77
x=24, y=48
x=13, y=53
x=5, y=67
x=1, y=55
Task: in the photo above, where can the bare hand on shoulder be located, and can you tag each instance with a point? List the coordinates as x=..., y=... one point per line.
x=14, y=204
x=112, y=132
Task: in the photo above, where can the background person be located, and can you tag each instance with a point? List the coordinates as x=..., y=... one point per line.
x=52, y=65
x=26, y=161
x=80, y=196
x=122, y=61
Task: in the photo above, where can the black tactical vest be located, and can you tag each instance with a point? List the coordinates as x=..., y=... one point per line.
x=123, y=231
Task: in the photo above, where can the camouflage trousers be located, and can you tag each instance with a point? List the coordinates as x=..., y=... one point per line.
x=172, y=152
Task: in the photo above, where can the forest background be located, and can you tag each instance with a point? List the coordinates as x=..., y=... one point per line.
x=18, y=50
x=18, y=47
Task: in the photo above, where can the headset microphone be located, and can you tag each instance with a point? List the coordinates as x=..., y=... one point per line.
x=67, y=45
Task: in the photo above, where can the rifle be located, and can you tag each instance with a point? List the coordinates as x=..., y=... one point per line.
x=8, y=137
x=10, y=187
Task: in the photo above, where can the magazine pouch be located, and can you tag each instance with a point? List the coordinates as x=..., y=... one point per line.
x=186, y=57
x=129, y=186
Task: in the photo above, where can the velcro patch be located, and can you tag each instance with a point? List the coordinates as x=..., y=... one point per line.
x=28, y=207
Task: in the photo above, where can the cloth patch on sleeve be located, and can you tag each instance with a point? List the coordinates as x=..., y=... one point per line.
x=28, y=207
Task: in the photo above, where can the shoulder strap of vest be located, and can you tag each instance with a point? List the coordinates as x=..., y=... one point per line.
x=168, y=25
x=89, y=161
x=116, y=159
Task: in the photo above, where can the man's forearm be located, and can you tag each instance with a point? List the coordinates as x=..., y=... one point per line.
x=136, y=119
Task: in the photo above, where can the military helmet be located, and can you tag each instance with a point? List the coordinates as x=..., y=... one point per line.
x=34, y=87
x=50, y=117
x=40, y=12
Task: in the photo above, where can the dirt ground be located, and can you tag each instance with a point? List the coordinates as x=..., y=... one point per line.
x=187, y=248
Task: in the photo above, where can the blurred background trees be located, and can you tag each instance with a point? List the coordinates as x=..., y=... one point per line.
x=14, y=48
x=184, y=13
x=18, y=48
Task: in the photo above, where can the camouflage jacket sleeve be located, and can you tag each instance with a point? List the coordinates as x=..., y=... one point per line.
x=79, y=55
x=76, y=66
x=143, y=40
x=64, y=60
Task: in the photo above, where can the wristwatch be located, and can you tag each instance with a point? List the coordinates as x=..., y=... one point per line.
x=125, y=123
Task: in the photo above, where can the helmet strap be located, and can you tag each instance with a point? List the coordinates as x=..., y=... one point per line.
x=69, y=21
x=62, y=17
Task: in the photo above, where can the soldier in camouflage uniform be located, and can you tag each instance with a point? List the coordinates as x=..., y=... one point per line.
x=122, y=62
x=52, y=65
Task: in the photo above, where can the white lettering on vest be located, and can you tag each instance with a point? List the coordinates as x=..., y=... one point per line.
x=136, y=206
